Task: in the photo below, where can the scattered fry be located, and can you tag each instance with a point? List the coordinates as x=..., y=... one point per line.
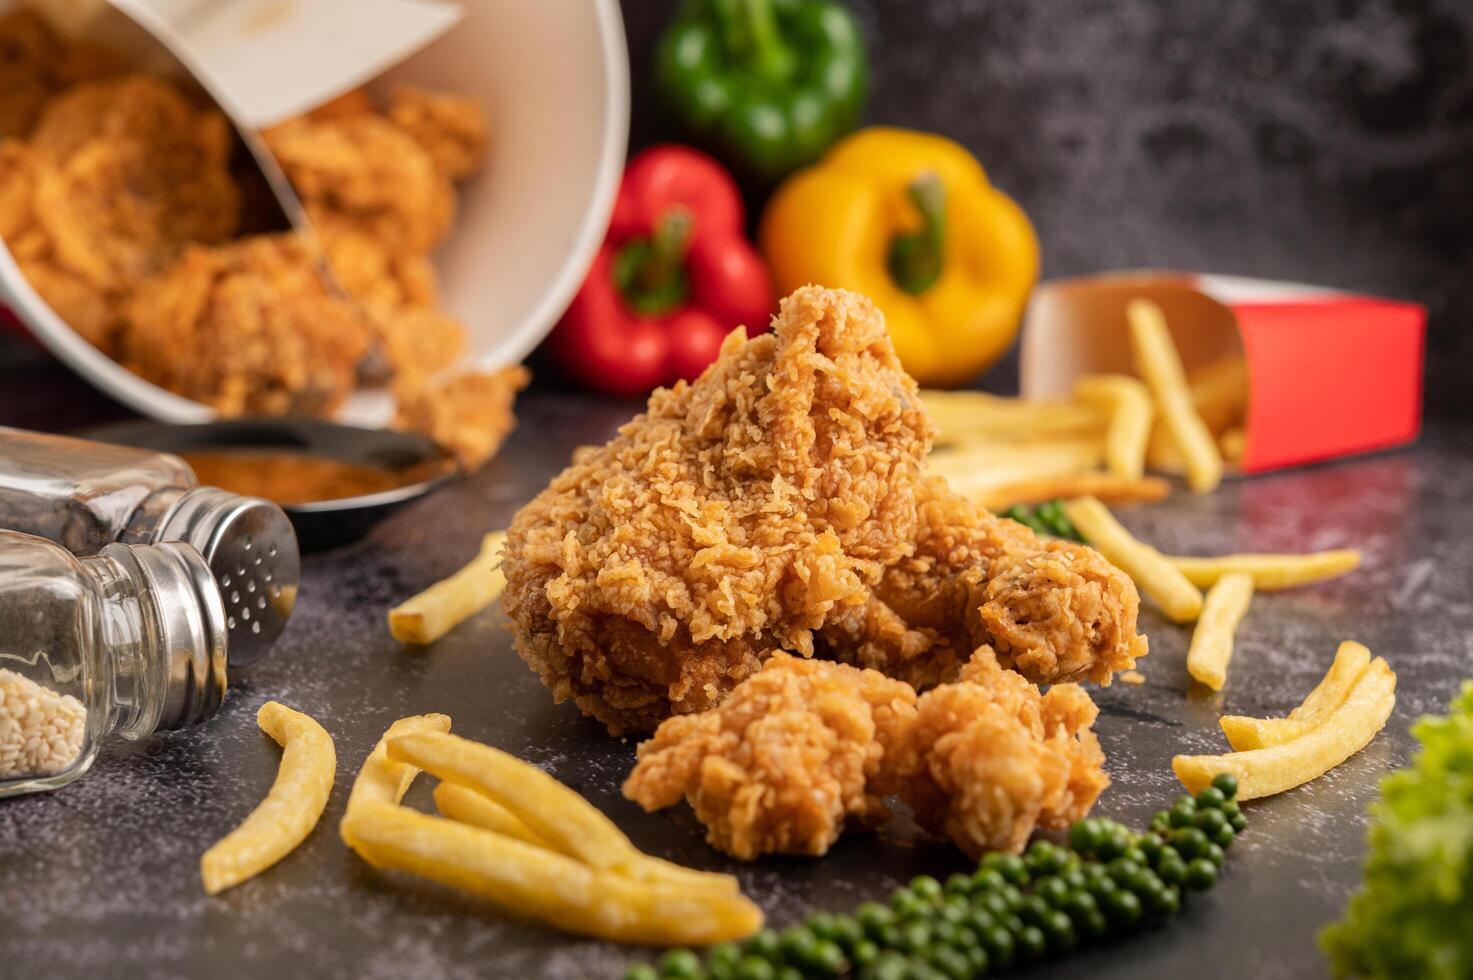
x=967, y=416
x=382, y=780
x=1345, y=730
x=1178, y=598
x=1104, y=487
x=426, y=617
x=556, y=889
x=1128, y=403
x=1244, y=733
x=291, y=808
x=1212, y=641
x=1270, y=572
x=1160, y=365
x=980, y=468
x=466, y=805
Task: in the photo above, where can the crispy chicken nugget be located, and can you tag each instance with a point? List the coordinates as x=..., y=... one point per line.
x=28, y=46
x=363, y=170
x=247, y=328
x=470, y=415
x=121, y=210
x=449, y=126
x=795, y=751
x=988, y=760
x=133, y=107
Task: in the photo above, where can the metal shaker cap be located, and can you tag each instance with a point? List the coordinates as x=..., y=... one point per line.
x=186, y=620
x=251, y=550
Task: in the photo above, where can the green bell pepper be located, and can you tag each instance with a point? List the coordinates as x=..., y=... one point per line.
x=767, y=85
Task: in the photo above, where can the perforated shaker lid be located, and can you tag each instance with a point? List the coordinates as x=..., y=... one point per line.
x=252, y=551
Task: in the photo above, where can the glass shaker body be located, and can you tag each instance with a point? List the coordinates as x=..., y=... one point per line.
x=126, y=642
x=86, y=495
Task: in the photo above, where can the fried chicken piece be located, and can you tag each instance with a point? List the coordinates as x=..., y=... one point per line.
x=731, y=519
x=93, y=313
x=470, y=415
x=989, y=759
x=134, y=107
x=363, y=170
x=19, y=172
x=28, y=49
x=118, y=211
x=1053, y=611
x=375, y=275
x=450, y=127
x=794, y=752
x=247, y=328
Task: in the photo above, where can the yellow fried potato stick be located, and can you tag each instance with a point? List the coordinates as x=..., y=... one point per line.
x=1128, y=403
x=1270, y=572
x=565, y=821
x=426, y=617
x=552, y=887
x=291, y=808
x=1108, y=488
x=1244, y=733
x=382, y=780
x=467, y=806
x=1157, y=577
x=1159, y=364
x=1223, y=609
x=969, y=416
x=1346, y=730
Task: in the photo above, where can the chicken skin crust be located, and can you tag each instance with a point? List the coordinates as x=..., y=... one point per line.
x=729, y=520
x=1053, y=611
x=798, y=749
x=988, y=760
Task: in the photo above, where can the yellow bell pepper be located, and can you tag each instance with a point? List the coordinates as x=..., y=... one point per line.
x=910, y=220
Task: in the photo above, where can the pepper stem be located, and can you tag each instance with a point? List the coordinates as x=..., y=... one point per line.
x=751, y=36
x=916, y=257
x=650, y=272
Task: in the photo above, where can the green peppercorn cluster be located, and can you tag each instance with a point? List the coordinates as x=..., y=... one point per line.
x=1012, y=911
x=1048, y=518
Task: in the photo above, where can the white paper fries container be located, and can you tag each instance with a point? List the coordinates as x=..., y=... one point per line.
x=554, y=78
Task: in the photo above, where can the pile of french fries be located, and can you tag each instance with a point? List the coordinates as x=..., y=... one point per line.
x=508, y=833
x=1338, y=719
x=1100, y=441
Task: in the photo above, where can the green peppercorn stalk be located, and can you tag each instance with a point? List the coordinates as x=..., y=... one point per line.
x=766, y=85
x=1104, y=882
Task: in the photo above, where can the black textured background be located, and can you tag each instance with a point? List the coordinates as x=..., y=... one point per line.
x=1328, y=141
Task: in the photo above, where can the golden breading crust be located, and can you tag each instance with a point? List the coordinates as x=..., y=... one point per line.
x=362, y=170
x=798, y=749
x=729, y=520
x=450, y=127
x=470, y=414
x=989, y=759
x=246, y=328
x=1053, y=611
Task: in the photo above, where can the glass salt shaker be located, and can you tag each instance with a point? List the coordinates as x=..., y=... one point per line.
x=85, y=495
x=126, y=642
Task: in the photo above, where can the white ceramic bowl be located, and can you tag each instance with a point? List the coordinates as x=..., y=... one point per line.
x=554, y=77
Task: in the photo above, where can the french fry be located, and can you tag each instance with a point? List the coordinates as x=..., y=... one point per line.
x=1128, y=403
x=291, y=808
x=1270, y=572
x=1347, y=729
x=1160, y=365
x=1244, y=733
x=978, y=469
x=1156, y=576
x=467, y=806
x=382, y=780
x=1220, y=392
x=966, y=416
x=424, y=618
x=1233, y=443
x=532, y=881
x=568, y=822
x=1104, y=487
x=1212, y=641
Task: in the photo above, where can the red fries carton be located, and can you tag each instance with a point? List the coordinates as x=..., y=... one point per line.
x=1328, y=374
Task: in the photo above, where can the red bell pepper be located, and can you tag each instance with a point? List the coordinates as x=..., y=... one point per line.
x=675, y=275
